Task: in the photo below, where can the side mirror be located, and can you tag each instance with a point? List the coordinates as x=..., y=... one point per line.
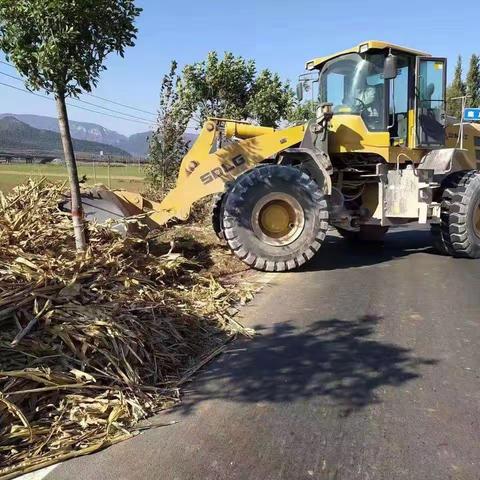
x=300, y=91
x=390, y=67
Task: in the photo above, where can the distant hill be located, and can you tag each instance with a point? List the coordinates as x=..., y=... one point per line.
x=17, y=135
x=136, y=145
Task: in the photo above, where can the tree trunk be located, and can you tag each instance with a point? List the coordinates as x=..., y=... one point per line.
x=76, y=200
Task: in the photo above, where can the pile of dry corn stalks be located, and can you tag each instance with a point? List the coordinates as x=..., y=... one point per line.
x=89, y=346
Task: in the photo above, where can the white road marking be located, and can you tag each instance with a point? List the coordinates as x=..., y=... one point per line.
x=39, y=474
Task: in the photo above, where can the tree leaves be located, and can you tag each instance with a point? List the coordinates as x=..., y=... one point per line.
x=60, y=45
x=472, y=83
x=271, y=100
x=230, y=87
x=456, y=89
x=459, y=88
x=303, y=112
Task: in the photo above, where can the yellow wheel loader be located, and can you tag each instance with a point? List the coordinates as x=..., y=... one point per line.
x=380, y=152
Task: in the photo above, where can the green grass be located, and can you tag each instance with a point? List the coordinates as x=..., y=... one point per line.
x=129, y=177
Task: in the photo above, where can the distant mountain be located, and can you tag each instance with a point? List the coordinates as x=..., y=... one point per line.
x=18, y=135
x=135, y=144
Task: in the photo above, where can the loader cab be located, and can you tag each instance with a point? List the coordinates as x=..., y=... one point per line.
x=395, y=91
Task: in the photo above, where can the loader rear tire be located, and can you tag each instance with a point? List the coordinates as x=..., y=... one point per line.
x=437, y=237
x=275, y=218
x=459, y=230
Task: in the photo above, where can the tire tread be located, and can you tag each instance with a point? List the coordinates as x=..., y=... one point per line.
x=451, y=236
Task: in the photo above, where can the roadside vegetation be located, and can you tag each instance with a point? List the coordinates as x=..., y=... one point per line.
x=90, y=346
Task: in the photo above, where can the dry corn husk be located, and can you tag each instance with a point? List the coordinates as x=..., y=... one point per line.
x=91, y=345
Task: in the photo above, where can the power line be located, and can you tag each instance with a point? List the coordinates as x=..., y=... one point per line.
x=121, y=104
x=101, y=98
x=11, y=76
x=75, y=106
x=25, y=91
x=109, y=115
x=7, y=64
x=111, y=110
x=87, y=103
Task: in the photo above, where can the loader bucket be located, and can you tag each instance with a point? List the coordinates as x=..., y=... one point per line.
x=103, y=205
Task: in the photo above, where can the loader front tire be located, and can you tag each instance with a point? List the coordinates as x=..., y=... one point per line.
x=217, y=212
x=275, y=218
x=459, y=231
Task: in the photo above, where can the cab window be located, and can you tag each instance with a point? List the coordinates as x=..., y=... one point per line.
x=354, y=85
x=431, y=102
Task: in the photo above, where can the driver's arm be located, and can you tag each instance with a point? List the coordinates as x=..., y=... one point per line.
x=367, y=96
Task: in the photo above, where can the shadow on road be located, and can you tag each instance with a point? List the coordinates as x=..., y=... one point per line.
x=337, y=253
x=335, y=359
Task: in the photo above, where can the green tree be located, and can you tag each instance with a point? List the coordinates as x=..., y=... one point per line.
x=455, y=90
x=230, y=87
x=271, y=100
x=303, y=111
x=473, y=82
x=60, y=46
x=167, y=144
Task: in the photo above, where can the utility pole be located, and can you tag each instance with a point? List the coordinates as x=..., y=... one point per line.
x=94, y=169
x=109, y=176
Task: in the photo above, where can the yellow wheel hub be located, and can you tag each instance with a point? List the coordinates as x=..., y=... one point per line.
x=275, y=219
x=278, y=219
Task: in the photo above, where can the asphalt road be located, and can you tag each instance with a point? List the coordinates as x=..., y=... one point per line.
x=366, y=367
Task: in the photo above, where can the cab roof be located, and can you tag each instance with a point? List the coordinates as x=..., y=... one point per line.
x=362, y=48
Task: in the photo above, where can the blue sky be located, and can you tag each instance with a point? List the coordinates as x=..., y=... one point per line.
x=278, y=34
